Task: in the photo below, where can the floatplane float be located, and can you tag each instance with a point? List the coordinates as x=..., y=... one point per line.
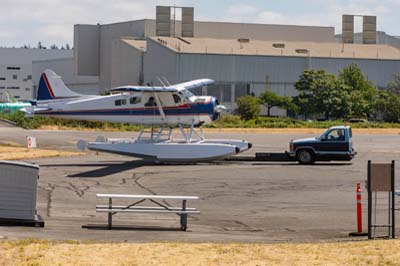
x=165, y=109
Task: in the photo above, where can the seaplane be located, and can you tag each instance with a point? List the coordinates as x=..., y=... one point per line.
x=164, y=109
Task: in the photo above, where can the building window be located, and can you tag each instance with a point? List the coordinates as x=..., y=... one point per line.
x=241, y=89
x=2, y=88
x=135, y=100
x=16, y=97
x=27, y=89
x=220, y=91
x=213, y=90
x=196, y=91
x=13, y=68
x=120, y=102
x=12, y=88
x=226, y=92
x=29, y=77
x=15, y=76
x=2, y=78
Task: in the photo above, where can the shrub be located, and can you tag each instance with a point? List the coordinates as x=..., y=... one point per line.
x=248, y=107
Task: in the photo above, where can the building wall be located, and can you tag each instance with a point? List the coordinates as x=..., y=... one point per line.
x=126, y=64
x=17, y=82
x=16, y=69
x=86, y=49
x=160, y=61
x=93, y=43
x=64, y=68
x=238, y=75
x=381, y=38
x=266, y=32
x=107, y=34
x=379, y=72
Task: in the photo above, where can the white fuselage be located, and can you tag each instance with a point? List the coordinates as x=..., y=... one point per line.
x=162, y=108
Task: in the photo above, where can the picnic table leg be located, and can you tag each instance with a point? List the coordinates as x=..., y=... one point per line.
x=184, y=216
x=109, y=213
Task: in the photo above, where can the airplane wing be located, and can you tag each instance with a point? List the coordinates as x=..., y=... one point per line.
x=193, y=84
x=173, y=88
x=143, y=89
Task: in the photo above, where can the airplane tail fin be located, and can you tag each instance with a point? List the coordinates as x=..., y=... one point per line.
x=51, y=87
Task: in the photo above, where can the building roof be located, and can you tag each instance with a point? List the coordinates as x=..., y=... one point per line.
x=278, y=48
x=139, y=44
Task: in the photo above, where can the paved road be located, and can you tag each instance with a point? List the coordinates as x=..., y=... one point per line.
x=264, y=202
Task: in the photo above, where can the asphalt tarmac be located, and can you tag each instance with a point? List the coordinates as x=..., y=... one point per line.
x=239, y=201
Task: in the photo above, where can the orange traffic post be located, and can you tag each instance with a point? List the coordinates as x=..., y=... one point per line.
x=359, y=213
x=359, y=209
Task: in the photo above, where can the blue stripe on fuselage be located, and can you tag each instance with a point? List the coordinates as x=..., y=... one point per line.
x=193, y=109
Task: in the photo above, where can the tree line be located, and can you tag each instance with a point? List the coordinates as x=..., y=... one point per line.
x=323, y=95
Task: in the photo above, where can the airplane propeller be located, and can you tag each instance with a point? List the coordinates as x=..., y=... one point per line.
x=220, y=108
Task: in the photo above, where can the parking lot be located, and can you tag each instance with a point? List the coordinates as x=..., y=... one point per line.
x=239, y=201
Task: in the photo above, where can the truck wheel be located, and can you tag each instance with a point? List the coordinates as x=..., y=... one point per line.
x=305, y=157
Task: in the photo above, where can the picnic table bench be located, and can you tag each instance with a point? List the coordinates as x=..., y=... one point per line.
x=160, y=207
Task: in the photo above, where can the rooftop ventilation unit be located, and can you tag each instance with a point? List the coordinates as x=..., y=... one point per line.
x=302, y=51
x=243, y=40
x=278, y=45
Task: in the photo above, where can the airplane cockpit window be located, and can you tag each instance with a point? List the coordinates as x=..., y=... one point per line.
x=186, y=93
x=177, y=99
x=151, y=102
x=135, y=100
x=120, y=102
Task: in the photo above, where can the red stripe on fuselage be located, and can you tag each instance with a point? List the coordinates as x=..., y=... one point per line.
x=48, y=85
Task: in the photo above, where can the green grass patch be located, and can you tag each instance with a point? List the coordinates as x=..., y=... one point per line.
x=226, y=121
x=234, y=121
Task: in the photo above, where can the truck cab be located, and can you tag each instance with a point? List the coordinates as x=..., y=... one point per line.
x=334, y=144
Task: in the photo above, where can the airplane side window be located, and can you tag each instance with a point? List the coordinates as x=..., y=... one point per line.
x=120, y=102
x=135, y=100
x=177, y=99
x=151, y=102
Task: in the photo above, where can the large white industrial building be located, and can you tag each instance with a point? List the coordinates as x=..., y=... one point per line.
x=242, y=58
x=16, y=69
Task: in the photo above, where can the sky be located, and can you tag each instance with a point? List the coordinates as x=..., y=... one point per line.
x=51, y=21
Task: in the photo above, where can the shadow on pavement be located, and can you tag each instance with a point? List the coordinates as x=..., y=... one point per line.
x=127, y=227
x=107, y=168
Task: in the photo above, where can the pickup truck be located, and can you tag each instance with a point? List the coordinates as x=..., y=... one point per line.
x=334, y=144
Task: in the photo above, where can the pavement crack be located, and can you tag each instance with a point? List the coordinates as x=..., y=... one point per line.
x=78, y=191
x=49, y=192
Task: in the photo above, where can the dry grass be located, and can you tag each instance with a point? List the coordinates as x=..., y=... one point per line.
x=14, y=152
x=30, y=252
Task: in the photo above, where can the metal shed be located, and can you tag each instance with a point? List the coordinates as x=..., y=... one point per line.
x=18, y=189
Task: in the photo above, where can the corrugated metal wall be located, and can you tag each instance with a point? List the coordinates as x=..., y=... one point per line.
x=255, y=74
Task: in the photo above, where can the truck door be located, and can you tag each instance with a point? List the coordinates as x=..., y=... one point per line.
x=334, y=141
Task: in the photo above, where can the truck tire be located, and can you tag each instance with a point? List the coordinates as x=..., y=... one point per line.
x=305, y=156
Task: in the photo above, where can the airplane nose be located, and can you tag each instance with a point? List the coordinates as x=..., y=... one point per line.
x=220, y=108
